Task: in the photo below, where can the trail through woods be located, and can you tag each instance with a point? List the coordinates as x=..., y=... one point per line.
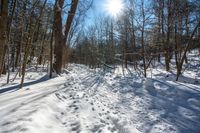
x=93, y=101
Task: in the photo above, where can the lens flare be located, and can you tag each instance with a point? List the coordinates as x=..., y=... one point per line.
x=114, y=7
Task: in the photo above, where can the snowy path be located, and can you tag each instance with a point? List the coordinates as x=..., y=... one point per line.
x=85, y=101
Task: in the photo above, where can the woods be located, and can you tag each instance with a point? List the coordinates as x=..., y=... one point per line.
x=99, y=66
x=54, y=33
x=26, y=29
x=146, y=33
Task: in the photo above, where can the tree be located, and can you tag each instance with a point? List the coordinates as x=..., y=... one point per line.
x=31, y=33
x=60, y=48
x=3, y=34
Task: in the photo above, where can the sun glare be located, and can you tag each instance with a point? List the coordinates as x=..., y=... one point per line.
x=114, y=7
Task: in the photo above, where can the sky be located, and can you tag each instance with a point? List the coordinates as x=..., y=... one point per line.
x=101, y=5
x=101, y=8
x=96, y=10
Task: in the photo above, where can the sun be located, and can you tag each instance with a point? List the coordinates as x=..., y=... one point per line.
x=114, y=7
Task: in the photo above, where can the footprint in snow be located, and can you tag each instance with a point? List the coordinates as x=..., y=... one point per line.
x=64, y=97
x=93, y=109
x=62, y=113
x=25, y=119
x=96, y=128
x=74, y=107
x=8, y=123
x=76, y=127
x=58, y=96
x=16, y=128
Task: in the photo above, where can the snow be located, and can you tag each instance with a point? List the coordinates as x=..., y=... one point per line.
x=98, y=101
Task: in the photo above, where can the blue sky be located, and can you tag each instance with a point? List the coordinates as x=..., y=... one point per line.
x=99, y=6
x=96, y=10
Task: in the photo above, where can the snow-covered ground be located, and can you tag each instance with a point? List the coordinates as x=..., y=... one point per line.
x=97, y=101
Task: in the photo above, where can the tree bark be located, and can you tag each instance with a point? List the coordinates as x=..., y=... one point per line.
x=3, y=33
x=167, y=45
x=142, y=40
x=60, y=48
x=185, y=52
x=30, y=41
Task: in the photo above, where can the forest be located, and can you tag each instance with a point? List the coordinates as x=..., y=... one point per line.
x=123, y=57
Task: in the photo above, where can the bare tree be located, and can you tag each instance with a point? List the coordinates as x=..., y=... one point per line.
x=60, y=38
x=3, y=34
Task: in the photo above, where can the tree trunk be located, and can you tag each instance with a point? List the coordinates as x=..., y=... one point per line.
x=168, y=44
x=9, y=41
x=3, y=33
x=142, y=41
x=185, y=52
x=60, y=39
x=29, y=41
x=51, y=54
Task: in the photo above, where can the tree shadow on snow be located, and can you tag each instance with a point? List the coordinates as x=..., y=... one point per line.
x=93, y=81
x=180, y=106
x=177, y=105
x=170, y=76
x=16, y=87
